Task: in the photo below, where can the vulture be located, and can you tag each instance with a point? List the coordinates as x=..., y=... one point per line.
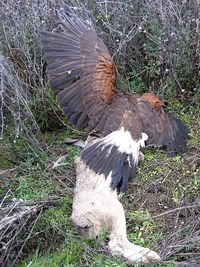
x=82, y=73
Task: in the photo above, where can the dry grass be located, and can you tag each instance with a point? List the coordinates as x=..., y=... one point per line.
x=15, y=216
x=169, y=190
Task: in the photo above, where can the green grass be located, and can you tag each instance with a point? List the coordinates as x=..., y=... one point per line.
x=57, y=216
x=5, y=162
x=66, y=256
x=34, y=188
x=142, y=230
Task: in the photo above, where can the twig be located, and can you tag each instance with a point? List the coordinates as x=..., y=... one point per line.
x=176, y=209
x=28, y=237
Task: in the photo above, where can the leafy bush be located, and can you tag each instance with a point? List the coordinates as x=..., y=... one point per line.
x=21, y=67
x=155, y=45
x=155, y=40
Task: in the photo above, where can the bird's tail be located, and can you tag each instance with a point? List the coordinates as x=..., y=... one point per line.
x=181, y=134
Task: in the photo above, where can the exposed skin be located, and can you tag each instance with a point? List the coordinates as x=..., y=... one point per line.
x=96, y=207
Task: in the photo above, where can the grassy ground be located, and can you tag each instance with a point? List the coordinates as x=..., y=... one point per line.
x=161, y=203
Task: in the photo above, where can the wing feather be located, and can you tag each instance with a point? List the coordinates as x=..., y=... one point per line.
x=115, y=156
x=162, y=128
x=82, y=73
x=77, y=53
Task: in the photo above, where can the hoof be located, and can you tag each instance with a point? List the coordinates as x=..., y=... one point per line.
x=134, y=253
x=144, y=256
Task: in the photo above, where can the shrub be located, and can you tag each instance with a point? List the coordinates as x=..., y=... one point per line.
x=155, y=45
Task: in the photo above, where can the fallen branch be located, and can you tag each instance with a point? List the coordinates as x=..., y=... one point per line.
x=15, y=216
x=177, y=209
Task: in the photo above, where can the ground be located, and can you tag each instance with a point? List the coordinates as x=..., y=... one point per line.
x=162, y=203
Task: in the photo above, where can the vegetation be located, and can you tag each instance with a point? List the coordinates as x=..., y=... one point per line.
x=156, y=48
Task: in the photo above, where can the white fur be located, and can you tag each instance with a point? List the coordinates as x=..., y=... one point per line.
x=96, y=207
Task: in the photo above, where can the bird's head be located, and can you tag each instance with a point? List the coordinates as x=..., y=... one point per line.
x=153, y=100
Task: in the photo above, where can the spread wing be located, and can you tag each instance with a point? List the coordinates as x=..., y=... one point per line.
x=80, y=68
x=82, y=73
x=162, y=128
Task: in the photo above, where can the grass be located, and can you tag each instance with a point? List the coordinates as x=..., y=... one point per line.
x=161, y=184
x=27, y=188
x=68, y=255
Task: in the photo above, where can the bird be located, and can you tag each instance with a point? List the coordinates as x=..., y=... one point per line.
x=82, y=73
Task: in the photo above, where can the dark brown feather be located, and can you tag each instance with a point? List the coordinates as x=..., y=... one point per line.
x=82, y=72
x=162, y=128
x=78, y=53
x=122, y=112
